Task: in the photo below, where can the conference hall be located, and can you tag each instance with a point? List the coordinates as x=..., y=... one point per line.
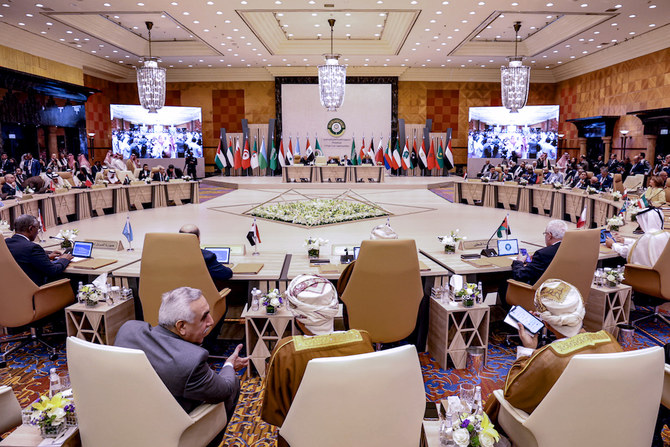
x=325, y=223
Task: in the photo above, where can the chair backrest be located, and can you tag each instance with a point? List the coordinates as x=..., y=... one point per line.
x=665, y=397
x=575, y=261
x=594, y=392
x=662, y=266
x=169, y=261
x=589, y=174
x=633, y=181
x=539, y=171
x=120, y=399
x=499, y=170
x=2, y=180
x=320, y=160
x=618, y=183
x=67, y=177
x=384, y=291
x=10, y=410
x=374, y=399
x=16, y=308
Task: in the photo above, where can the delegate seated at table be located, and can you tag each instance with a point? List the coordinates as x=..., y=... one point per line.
x=217, y=271
x=314, y=302
x=646, y=250
x=561, y=307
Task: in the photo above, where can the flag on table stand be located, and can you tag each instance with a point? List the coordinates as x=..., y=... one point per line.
x=354, y=157
x=582, y=218
x=448, y=155
x=308, y=148
x=371, y=151
x=254, y=156
x=282, y=155
x=430, y=164
x=297, y=145
x=230, y=153
x=642, y=202
x=397, y=162
x=406, y=160
x=263, y=156
x=273, y=157
x=128, y=233
x=253, y=236
x=504, y=226
x=423, y=161
x=388, y=161
x=361, y=152
x=220, y=160
x=41, y=220
x=238, y=155
x=623, y=209
x=439, y=157
x=289, y=153
x=379, y=153
x=246, y=155
x=317, y=148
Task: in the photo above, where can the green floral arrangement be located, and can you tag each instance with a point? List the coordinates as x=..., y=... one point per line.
x=614, y=223
x=51, y=414
x=468, y=294
x=67, y=237
x=317, y=212
x=475, y=431
x=90, y=295
x=590, y=190
x=313, y=245
x=451, y=240
x=616, y=196
x=557, y=185
x=272, y=300
x=613, y=278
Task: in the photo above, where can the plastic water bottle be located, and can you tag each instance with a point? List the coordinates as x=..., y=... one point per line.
x=446, y=430
x=255, y=299
x=54, y=383
x=79, y=287
x=478, y=401
x=480, y=293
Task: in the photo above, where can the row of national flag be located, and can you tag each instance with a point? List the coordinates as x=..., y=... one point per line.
x=408, y=157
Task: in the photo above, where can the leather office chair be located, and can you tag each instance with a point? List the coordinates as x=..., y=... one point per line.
x=617, y=184
x=633, y=181
x=575, y=262
x=374, y=399
x=172, y=260
x=384, y=291
x=653, y=281
x=10, y=410
x=589, y=174
x=665, y=397
x=138, y=408
x=28, y=303
x=67, y=177
x=595, y=390
x=320, y=160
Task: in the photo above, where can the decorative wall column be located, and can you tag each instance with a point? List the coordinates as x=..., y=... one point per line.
x=651, y=148
x=608, y=145
x=582, y=145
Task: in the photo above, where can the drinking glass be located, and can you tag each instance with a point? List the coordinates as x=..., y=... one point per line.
x=466, y=392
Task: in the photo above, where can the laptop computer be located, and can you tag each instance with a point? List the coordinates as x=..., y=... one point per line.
x=81, y=250
x=356, y=250
x=222, y=254
x=508, y=247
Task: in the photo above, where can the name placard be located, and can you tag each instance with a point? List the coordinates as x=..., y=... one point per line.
x=106, y=245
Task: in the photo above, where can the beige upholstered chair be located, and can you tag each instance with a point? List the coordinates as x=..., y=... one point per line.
x=121, y=401
x=320, y=160
x=575, y=262
x=10, y=410
x=371, y=400
x=384, y=290
x=633, y=181
x=171, y=260
x=67, y=177
x=601, y=399
x=665, y=397
x=23, y=303
x=654, y=281
x=589, y=174
x=618, y=183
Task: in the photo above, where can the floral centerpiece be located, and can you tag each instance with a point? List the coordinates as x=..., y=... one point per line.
x=312, y=213
x=90, y=295
x=4, y=224
x=68, y=237
x=613, y=278
x=51, y=415
x=28, y=190
x=616, y=196
x=557, y=185
x=614, y=223
x=450, y=241
x=485, y=179
x=186, y=178
x=523, y=181
x=632, y=212
x=590, y=190
x=314, y=246
x=272, y=300
x=475, y=430
x=468, y=294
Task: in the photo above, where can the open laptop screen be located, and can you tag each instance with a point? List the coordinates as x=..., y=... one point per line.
x=82, y=249
x=222, y=254
x=356, y=250
x=508, y=247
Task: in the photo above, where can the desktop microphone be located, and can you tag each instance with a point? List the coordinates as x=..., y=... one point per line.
x=489, y=252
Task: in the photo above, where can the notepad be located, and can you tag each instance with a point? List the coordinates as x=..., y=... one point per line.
x=92, y=264
x=331, y=268
x=248, y=268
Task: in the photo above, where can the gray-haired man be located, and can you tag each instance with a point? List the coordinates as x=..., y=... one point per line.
x=173, y=350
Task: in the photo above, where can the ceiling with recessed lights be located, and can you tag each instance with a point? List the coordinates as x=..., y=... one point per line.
x=259, y=39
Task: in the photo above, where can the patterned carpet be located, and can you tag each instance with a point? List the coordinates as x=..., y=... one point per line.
x=27, y=374
x=445, y=193
x=209, y=192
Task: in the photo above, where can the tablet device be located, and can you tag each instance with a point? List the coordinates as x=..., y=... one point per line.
x=356, y=250
x=604, y=234
x=222, y=254
x=524, y=252
x=519, y=315
x=82, y=249
x=507, y=247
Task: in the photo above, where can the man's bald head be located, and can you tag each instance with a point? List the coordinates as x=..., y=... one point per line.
x=190, y=229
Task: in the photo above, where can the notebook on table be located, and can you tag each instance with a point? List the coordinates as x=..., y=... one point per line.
x=248, y=268
x=92, y=264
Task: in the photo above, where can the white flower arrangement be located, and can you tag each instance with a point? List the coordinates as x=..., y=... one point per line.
x=186, y=178
x=4, y=224
x=485, y=179
x=28, y=190
x=590, y=190
x=468, y=294
x=68, y=237
x=451, y=240
x=614, y=223
x=50, y=414
x=614, y=278
x=523, y=181
x=475, y=430
x=317, y=212
x=314, y=246
x=616, y=196
x=91, y=295
x=558, y=185
x=272, y=300
x=632, y=212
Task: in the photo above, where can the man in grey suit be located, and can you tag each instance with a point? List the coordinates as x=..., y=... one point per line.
x=173, y=349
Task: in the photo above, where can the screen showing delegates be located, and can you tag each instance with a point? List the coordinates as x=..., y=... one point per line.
x=172, y=132
x=494, y=132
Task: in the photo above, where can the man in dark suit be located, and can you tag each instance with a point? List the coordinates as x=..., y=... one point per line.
x=30, y=166
x=217, y=271
x=6, y=165
x=174, y=351
x=10, y=186
x=161, y=175
x=604, y=180
x=174, y=173
x=145, y=173
x=638, y=166
x=530, y=271
x=39, y=265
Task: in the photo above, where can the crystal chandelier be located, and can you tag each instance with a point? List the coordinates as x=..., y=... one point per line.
x=332, y=78
x=514, y=80
x=151, y=81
